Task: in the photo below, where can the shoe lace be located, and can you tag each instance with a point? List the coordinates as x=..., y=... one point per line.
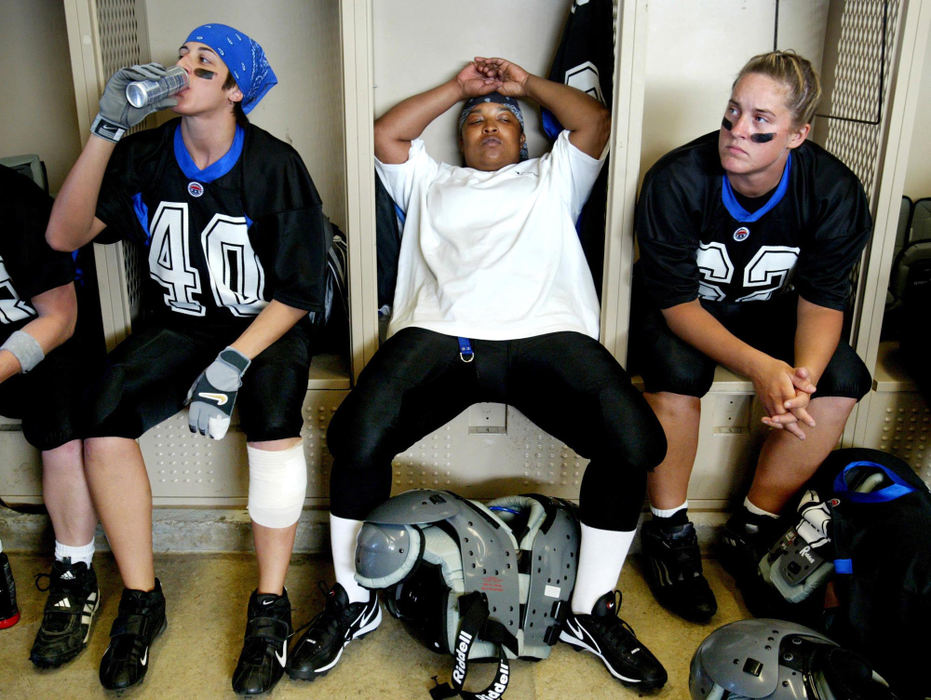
x=45, y=576
x=617, y=631
x=686, y=555
x=324, y=590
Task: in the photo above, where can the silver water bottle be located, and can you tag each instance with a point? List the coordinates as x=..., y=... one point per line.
x=144, y=92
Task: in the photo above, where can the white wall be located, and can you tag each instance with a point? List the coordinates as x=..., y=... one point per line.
x=695, y=50
x=918, y=177
x=37, y=110
x=421, y=43
x=301, y=40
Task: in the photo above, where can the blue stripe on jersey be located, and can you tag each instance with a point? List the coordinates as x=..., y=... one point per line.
x=214, y=170
x=142, y=214
x=78, y=270
x=742, y=215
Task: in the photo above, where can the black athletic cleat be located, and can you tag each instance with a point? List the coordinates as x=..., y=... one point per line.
x=320, y=647
x=141, y=618
x=265, y=647
x=612, y=640
x=745, y=540
x=69, y=613
x=9, y=612
x=674, y=571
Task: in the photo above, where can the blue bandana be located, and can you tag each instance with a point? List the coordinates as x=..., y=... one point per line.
x=244, y=58
x=508, y=103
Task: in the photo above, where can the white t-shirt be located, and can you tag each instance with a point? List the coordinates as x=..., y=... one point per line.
x=493, y=255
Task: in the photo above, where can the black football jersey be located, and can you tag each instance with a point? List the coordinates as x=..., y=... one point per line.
x=224, y=241
x=697, y=241
x=28, y=266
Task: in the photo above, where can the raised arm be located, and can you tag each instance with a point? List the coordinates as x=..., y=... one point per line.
x=404, y=122
x=58, y=313
x=72, y=223
x=587, y=120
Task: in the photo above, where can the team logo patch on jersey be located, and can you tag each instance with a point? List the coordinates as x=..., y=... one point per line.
x=741, y=234
x=195, y=189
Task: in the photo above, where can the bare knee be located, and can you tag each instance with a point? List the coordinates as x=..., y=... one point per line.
x=677, y=407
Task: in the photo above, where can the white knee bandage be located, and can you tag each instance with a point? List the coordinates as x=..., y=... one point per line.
x=277, y=485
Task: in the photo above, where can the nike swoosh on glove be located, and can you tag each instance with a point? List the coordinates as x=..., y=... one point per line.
x=116, y=115
x=213, y=394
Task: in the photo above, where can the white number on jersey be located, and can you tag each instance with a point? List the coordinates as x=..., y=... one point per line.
x=234, y=272
x=767, y=270
x=169, y=264
x=715, y=265
x=12, y=308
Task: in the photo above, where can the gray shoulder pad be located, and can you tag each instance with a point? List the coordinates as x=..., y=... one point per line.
x=416, y=506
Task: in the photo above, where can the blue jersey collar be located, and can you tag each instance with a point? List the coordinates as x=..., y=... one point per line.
x=742, y=215
x=214, y=170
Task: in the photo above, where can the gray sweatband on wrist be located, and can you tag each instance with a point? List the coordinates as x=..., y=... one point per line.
x=24, y=348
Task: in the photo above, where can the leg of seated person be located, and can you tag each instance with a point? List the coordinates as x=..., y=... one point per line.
x=668, y=484
x=675, y=375
x=609, y=422
x=786, y=462
x=273, y=545
x=119, y=485
x=66, y=495
x=414, y=384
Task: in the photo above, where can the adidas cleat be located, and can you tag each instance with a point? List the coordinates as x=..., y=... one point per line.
x=73, y=597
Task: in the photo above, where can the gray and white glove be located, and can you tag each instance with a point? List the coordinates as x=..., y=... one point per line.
x=213, y=394
x=116, y=115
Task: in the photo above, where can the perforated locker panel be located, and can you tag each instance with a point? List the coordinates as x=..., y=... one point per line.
x=188, y=469
x=864, y=58
x=899, y=420
x=859, y=104
x=900, y=423
x=21, y=468
x=487, y=464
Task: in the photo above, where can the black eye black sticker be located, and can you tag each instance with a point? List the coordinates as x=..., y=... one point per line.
x=203, y=73
x=756, y=138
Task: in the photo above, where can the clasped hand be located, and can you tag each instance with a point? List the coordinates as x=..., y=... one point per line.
x=486, y=75
x=785, y=392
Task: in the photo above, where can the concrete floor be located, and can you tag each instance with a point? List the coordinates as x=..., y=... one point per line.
x=207, y=594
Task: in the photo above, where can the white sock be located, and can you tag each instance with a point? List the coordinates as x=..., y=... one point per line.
x=83, y=553
x=756, y=510
x=601, y=557
x=343, y=533
x=668, y=512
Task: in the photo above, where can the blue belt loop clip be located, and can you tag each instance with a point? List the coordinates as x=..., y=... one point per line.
x=465, y=350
